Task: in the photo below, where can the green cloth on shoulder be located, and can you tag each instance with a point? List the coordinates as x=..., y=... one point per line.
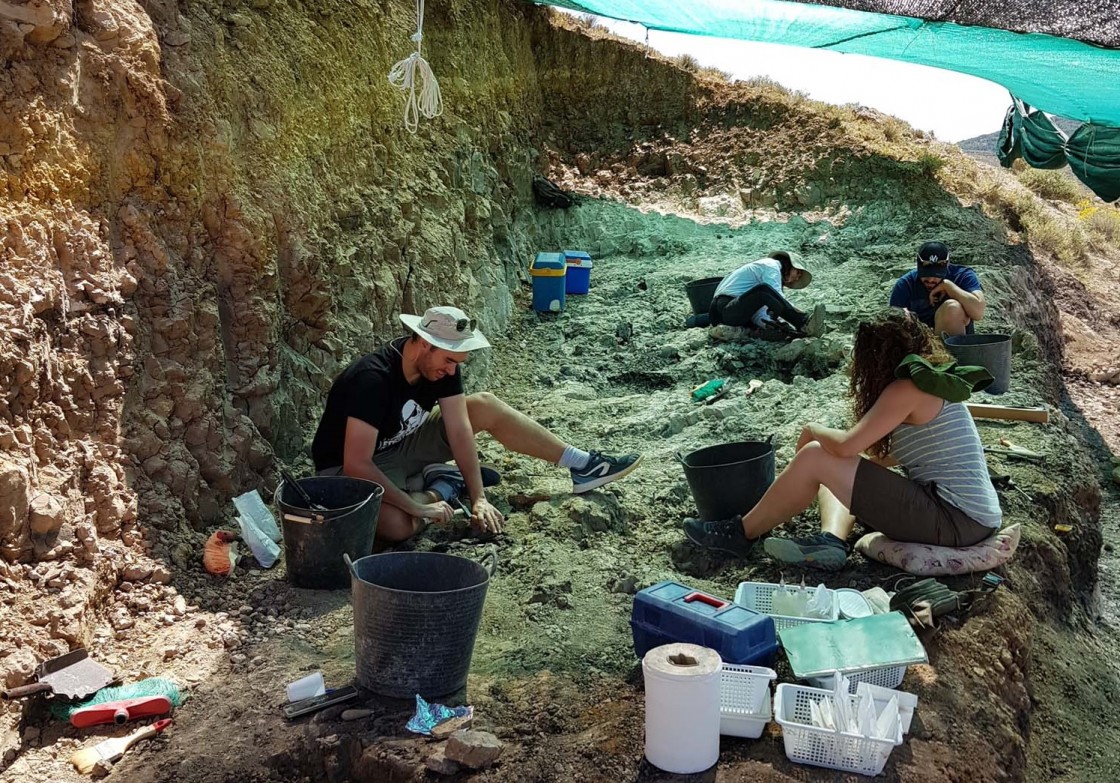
x=947, y=381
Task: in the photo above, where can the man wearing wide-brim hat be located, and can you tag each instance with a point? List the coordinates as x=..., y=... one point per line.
x=400, y=413
x=750, y=299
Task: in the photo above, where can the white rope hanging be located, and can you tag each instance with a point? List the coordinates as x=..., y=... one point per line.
x=403, y=76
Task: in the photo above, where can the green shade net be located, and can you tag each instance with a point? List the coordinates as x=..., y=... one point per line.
x=1092, y=152
x=1058, y=75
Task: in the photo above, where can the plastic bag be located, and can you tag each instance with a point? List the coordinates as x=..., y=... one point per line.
x=819, y=604
x=428, y=716
x=258, y=528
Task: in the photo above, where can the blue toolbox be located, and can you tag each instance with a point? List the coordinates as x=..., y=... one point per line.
x=671, y=612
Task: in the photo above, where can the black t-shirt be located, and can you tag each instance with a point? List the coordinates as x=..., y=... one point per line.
x=374, y=390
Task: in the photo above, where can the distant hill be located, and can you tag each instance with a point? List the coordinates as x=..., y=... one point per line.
x=983, y=148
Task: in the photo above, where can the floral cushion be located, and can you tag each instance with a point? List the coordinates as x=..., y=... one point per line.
x=930, y=560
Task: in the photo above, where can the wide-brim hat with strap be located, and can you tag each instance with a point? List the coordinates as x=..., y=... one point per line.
x=795, y=262
x=448, y=328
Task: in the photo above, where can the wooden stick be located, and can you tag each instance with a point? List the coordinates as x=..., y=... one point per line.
x=978, y=411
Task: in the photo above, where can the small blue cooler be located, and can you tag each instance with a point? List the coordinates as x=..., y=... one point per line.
x=671, y=612
x=548, y=271
x=579, y=271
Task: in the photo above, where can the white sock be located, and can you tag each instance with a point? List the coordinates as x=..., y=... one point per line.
x=573, y=458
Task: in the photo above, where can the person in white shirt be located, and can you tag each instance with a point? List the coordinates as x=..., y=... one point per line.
x=751, y=296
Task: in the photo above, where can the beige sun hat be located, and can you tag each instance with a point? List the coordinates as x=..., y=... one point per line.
x=795, y=262
x=448, y=328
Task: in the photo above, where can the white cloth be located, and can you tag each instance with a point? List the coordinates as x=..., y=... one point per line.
x=765, y=271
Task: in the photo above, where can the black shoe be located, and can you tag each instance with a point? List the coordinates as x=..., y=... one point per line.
x=823, y=550
x=698, y=320
x=454, y=477
x=602, y=469
x=725, y=535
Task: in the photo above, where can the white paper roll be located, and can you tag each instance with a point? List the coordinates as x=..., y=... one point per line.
x=682, y=707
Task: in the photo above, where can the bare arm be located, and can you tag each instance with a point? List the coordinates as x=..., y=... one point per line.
x=892, y=408
x=460, y=436
x=972, y=301
x=357, y=462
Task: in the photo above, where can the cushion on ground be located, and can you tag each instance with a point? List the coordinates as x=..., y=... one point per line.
x=930, y=560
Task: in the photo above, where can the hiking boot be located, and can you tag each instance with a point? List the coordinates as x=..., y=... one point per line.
x=454, y=485
x=602, y=469
x=698, y=320
x=823, y=550
x=725, y=535
x=814, y=324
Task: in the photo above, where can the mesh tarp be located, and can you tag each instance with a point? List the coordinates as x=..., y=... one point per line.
x=1058, y=75
x=1094, y=21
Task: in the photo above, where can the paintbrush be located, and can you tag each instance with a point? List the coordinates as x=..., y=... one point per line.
x=112, y=749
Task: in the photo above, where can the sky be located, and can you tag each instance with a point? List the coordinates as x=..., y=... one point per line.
x=951, y=105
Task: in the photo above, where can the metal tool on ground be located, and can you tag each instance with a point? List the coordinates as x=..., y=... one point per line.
x=1002, y=481
x=320, y=702
x=119, y=712
x=110, y=750
x=72, y=676
x=1012, y=451
x=294, y=482
x=1040, y=414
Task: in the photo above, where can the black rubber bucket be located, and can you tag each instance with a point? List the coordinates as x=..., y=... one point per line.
x=990, y=351
x=315, y=541
x=730, y=478
x=416, y=615
x=700, y=293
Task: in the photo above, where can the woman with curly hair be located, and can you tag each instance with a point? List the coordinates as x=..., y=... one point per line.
x=946, y=497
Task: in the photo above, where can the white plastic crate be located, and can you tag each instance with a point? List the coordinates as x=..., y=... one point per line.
x=809, y=744
x=744, y=700
x=759, y=596
x=884, y=677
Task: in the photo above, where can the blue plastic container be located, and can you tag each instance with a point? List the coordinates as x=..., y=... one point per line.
x=671, y=612
x=549, y=273
x=579, y=272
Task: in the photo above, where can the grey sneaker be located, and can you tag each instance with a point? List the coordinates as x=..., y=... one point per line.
x=814, y=325
x=724, y=535
x=823, y=550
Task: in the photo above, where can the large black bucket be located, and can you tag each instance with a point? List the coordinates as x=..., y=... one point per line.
x=700, y=293
x=416, y=616
x=730, y=478
x=315, y=541
x=990, y=351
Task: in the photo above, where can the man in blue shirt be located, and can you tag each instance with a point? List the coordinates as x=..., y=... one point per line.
x=944, y=296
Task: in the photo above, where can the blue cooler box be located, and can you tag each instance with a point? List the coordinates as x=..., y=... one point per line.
x=671, y=612
x=579, y=271
x=548, y=271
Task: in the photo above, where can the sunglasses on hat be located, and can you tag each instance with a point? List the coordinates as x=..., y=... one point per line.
x=461, y=325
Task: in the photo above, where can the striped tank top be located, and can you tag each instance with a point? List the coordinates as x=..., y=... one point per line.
x=947, y=452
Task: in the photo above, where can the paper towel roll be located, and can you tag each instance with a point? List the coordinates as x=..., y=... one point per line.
x=682, y=707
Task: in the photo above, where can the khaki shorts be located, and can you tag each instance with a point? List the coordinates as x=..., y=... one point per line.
x=427, y=446
x=907, y=510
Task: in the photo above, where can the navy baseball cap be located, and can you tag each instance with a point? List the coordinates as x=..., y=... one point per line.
x=933, y=259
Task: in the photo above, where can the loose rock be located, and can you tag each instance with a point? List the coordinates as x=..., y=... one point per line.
x=474, y=749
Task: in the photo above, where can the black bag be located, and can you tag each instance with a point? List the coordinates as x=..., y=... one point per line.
x=548, y=195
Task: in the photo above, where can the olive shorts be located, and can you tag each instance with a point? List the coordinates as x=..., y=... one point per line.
x=427, y=446
x=908, y=510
